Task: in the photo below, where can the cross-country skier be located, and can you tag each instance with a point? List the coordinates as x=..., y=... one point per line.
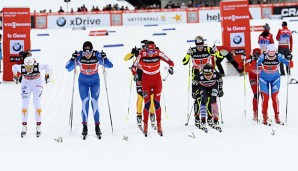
x=199, y=56
x=265, y=38
x=32, y=84
x=89, y=61
x=270, y=79
x=134, y=53
x=285, y=45
x=253, y=74
x=209, y=85
x=149, y=61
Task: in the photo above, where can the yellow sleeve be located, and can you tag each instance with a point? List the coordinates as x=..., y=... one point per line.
x=186, y=59
x=128, y=56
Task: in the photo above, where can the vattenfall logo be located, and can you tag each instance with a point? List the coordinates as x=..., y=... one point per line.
x=236, y=17
x=15, y=24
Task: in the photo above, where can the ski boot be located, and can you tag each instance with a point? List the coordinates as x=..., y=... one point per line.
x=266, y=120
x=159, y=129
x=216, y=126
x=152, y=119
x=24, y=131
x=255, y=116
x=277, y=120
x=85, y=132
x=197, y=121
x=97, y=131
x=203, y=126
x=139, y=121
x=210, y=123
x=145, y=130
x=38, y=130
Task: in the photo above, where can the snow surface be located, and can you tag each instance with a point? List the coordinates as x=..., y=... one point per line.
x=243, y=145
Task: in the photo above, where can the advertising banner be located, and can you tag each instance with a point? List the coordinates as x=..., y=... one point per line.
x=143, y=18
x=16, y=37
x=211, y=15
x=78, y=20
x=236, y=27
x=286, y=11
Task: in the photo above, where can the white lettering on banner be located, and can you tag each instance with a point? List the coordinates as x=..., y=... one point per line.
x=15, y=35
x=143, y=19
x=289, y=12
x=14, y=24
x=235, y=28
x=236, y=17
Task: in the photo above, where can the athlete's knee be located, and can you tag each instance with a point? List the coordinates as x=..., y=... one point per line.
x=157, y=104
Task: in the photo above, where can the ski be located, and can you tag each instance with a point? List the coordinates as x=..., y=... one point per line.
x=281, y=123
x=84, y=137
x=160, y=133
x=203, y=129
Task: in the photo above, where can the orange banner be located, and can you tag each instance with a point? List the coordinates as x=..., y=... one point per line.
x=16, y=37
x=235, y=24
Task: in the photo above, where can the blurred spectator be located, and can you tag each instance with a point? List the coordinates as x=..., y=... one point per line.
x=84, y=9
x=79, y=9
x=189, y=5
x=96, y=9
x=71, y=10
x=198, y=4
x=61, y=10
x=177, y=5
x=170, y=4
x=183, y=5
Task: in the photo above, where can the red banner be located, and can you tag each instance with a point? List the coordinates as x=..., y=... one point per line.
x=235, y=24
x=16, y=37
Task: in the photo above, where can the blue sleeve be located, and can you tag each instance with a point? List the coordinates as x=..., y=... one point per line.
x=260, y=60
x=282, y=59
x=70, y=65
x=104, y=62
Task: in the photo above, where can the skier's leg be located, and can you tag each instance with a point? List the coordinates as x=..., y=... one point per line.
x=275, y=102
x=84, y=94
x=37, y=92
x=26, y=91
x=95, y=92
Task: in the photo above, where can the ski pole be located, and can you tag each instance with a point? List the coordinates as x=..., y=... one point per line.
x=106, y=87
x=244, y=88
x=166, y=77
x=220, y=111
x=287, y=97
x=129, y=96
x=188, y=92
x=164, y=103
x=188, y=116
x=72, y=97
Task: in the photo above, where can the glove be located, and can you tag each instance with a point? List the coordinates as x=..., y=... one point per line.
x=220, y=93
x=214, y=48
x=134, y=51
x=46, y=77
x=74, y=55
x=194, y=95
x=135, y=77
x=16, y=79
x=171, y=70
x=243, y=57
x=290, y=56
x=291, y=64
x=103, y=55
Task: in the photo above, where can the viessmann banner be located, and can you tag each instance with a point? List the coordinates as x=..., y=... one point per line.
x=71, y=21
x=143, y=18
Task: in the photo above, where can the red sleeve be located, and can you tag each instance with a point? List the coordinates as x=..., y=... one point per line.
x=278, y=35
x=271, y=39
x=291, y=42
x=259, y=39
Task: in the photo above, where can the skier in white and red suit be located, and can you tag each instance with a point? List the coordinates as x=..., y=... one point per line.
x=149, y=61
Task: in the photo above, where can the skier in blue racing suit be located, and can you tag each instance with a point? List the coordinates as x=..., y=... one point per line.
x=89, y=60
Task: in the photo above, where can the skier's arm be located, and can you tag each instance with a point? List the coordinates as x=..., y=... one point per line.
x=16, y=68
x=187, y=57
x=103, y=60
x=260, y=60
x=70, y=64
x=166, y=59
x=285, y=61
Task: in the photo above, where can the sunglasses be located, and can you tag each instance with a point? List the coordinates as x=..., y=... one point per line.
x=87, y=53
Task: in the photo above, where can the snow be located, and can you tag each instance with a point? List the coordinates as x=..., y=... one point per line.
x=243, y=145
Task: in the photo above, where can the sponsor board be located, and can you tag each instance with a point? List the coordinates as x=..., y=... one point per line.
x=174, y=17
x=286, y=11
x=71, y=21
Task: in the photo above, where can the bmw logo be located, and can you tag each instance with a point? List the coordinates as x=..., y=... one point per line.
x=16, y=46
x=237, y=39
x=61, y=21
